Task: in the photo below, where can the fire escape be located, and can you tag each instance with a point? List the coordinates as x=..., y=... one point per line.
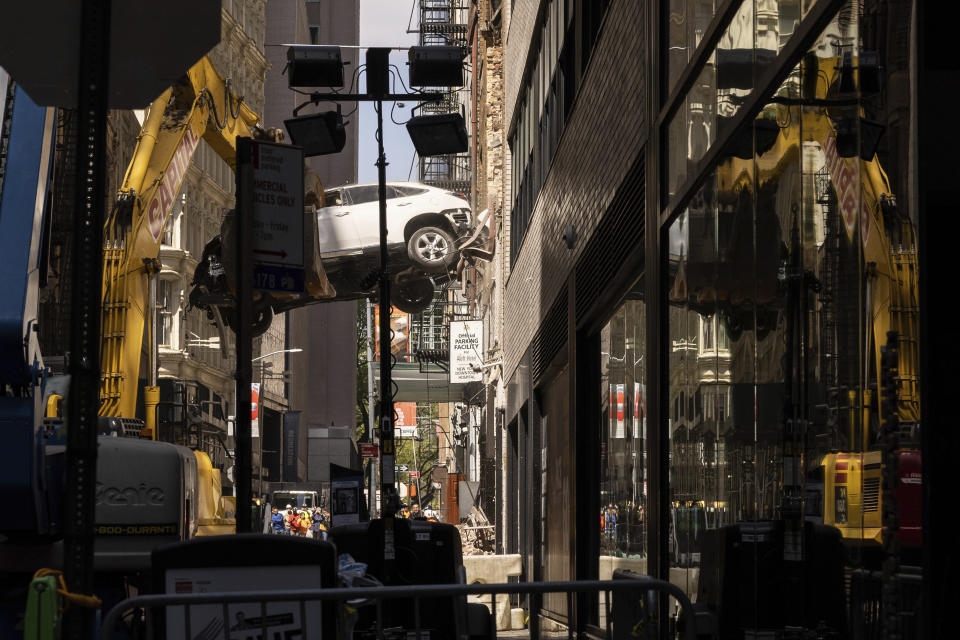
x=443, y=22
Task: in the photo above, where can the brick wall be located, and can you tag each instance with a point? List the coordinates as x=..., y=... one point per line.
x=604, y=133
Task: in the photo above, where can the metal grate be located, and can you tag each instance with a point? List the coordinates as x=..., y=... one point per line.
x=619, y=234
x=550, y=337
x=871, y=494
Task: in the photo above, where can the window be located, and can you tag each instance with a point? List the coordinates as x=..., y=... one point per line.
x=314, y=35
x=333, y=198
x=544, y=104
x=168, y=231
x=403, y=192
x=360, y=195
x=623, y=433
x=166, y=313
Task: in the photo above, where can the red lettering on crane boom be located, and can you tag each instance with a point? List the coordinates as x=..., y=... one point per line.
x=166, y=193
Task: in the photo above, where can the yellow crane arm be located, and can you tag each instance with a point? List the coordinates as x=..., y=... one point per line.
x=200, y=105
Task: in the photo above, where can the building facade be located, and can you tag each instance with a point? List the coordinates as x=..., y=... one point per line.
x=709, y=226
x=321, y=385
x=197, y=385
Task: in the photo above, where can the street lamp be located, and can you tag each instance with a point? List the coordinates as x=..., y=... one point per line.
x=260, y=397
x=273, y=353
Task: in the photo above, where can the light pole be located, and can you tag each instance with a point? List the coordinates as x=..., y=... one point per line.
x=260, y=409
x=320, y=134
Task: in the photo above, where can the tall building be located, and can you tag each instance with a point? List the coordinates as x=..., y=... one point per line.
x=321, y=384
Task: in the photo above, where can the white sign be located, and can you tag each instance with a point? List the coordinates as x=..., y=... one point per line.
x=405, y=432
x=283, y=619
x=466, y=349
x=277, y=194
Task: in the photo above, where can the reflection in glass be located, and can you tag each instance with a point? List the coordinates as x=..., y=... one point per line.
x=784, y=274
x=687, y=20
x=623, y=468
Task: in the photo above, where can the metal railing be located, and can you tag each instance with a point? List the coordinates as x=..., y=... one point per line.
x=143, y=609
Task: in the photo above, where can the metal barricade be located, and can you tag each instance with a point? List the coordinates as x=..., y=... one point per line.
x=141, y=612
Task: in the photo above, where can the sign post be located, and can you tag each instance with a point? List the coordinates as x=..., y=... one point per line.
x=277, y=217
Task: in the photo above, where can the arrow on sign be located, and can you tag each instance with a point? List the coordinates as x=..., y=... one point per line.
x=281, y=254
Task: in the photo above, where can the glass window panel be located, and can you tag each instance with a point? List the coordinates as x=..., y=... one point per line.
x=735, y=58
x=623, y=433
x=686, y=22
x=692, y=129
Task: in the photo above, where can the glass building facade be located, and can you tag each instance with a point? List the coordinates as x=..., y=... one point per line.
x=790, y=277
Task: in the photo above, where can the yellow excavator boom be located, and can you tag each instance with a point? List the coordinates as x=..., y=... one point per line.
x=200, y=105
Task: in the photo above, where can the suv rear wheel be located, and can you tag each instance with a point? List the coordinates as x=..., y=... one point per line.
x=429, y=247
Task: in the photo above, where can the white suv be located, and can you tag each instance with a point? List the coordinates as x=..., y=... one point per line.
x=426, y=228
x=426, y=220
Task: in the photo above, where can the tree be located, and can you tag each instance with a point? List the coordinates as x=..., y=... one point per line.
x=362, y=414
x=421, y=453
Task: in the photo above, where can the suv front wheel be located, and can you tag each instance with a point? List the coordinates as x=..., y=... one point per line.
x=429, y=247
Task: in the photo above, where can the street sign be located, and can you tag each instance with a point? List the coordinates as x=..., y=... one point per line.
x=369, y=450
x=405, y=432
x=403, y=467
x=466, y=347
x=414, y=475
x=277, y=217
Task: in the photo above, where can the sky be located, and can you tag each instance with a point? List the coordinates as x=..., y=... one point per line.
x=383, y=23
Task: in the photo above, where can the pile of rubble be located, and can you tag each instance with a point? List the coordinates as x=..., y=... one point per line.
x=477, y=534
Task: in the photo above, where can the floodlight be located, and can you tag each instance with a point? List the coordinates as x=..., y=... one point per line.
x=870, y=133
x=436, y=66
x=319, y=134
x=846, y=137
x=437, y=135
x=314, y=66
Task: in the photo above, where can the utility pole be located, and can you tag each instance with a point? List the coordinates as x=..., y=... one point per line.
x=371, y=413
x=244, y=367
x=81, y=455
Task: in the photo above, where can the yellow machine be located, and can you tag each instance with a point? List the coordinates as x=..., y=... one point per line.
x=201, y=105
x=216, y=513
